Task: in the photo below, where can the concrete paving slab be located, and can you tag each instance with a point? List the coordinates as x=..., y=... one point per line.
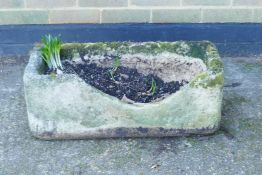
x=235, y=149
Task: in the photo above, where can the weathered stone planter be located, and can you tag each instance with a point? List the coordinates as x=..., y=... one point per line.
x=65, y=107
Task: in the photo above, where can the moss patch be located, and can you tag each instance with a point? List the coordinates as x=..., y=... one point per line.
x=215, y=65
x=191, y=49
x=68, y=50
x=205, y=80
x=198, y=50
x=203, y=50
x=218, y=80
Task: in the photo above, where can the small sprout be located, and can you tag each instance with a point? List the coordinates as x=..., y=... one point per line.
x=153, y=87
x=116, y=65
x=112, y=75
x=50, y=52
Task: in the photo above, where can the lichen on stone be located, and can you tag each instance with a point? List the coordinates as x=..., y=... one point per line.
x=81, y=110
x=193, y=49
x=214, y=75
x=206, y=80
x=68, y=50
x=204, y=50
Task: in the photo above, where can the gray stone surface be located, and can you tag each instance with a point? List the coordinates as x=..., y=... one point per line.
x=206, y=2
x=227, y=15
x=11, y=4
x=155, y=3
x=24, y=17
x=71, y=16
x=176, y=16
x=235, y=149
x=125, y=16
x=65, y=107
x=49, y=4
x=103, y=3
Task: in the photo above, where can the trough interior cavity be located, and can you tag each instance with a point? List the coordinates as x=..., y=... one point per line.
x=147, y=71
x=169, y=67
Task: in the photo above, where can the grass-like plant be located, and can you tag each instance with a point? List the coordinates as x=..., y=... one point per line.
x=50, y=52
x=116, y=65
x=153, y=87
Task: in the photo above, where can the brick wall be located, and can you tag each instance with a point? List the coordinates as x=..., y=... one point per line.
x=122, y=11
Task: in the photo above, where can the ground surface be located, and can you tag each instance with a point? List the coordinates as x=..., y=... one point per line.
x=235, y=149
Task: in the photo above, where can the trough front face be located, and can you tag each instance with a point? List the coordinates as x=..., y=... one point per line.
x=66, y=107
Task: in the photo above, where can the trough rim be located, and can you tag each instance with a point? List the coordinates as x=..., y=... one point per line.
x=35, y=63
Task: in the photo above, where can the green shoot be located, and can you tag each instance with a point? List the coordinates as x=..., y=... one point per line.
x=50, y=52
x=153, y=87
x=112, y=75
x=116, y=65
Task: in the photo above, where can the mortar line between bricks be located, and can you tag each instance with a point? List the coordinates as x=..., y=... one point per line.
x=100, y=15
x=77, y=3
x=49, y=20
x=151, y=16
x=25, y=4
x=253, y=15
x=134, y=8
x=201, y=15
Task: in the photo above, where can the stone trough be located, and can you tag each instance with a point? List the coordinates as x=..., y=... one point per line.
x=65, y=107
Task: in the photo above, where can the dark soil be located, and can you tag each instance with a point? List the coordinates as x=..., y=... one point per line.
x=125, y=82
